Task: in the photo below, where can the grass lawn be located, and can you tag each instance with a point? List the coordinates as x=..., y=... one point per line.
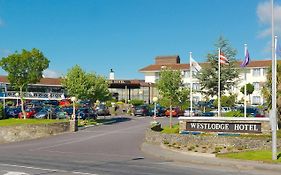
x=263, y=155
x=13, y=121
x=173, y=130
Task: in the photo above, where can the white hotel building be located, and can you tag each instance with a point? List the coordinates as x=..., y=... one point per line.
x=255, y=74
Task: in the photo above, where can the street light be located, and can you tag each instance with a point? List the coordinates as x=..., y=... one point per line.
x=73, y=99
x=155, y=99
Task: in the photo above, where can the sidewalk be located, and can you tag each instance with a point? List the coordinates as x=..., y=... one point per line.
x=209, y=159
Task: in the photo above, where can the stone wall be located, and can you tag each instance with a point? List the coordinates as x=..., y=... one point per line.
x=210, y=143
x=27, y=132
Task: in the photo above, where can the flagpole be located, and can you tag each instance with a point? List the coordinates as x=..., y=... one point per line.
x=219, y=82
x=190, y=69
x=273, y=112
x=245, y=87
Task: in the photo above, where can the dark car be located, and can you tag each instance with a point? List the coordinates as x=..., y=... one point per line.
x=142, y=110
x=86, y=113
x=12, y=112
x=160, y=111
x=46, y=113
x=252, y=112
x=102, y=110
x=208, y=114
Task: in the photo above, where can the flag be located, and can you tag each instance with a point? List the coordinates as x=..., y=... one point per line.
x=223, y=58
x=246, y=60
x=195, y=65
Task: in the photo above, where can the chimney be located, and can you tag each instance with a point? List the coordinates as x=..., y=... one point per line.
x=111, y=74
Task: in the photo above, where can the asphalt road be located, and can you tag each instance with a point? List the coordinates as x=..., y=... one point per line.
x=111, y=149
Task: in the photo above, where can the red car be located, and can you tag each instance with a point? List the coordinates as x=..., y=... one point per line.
x=30, y=112
x=175, y=112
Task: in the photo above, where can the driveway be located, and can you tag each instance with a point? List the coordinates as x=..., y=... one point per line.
x=103, y=150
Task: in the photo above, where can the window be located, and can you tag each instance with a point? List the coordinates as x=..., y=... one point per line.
x=196, y=86
x=264, y=71
x=256, y=100
x=256, y=72
x=256, y=86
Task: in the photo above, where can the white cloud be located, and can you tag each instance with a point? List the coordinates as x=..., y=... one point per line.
x=51, y=74
x=264, y=16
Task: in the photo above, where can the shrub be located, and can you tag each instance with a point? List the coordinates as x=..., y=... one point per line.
x=137, y=102
x=2, y=115
x=234, y=114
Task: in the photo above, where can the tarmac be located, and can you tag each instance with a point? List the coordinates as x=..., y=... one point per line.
x=207, y=159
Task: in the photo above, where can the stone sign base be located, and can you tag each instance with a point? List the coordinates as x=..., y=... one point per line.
x=225, y=124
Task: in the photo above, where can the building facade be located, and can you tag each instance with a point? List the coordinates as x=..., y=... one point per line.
x=256, y=72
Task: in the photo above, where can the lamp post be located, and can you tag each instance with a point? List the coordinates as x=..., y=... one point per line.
x=73, y=99
x=17, y=95
x=155, y=99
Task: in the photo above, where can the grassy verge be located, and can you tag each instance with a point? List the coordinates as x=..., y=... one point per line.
x=12, y=121
x=173, y=130
x=262, y=155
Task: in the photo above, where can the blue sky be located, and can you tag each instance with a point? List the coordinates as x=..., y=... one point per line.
x=127, y=35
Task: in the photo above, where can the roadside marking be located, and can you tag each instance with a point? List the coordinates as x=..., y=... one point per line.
x=15, y=173
x=41, y=169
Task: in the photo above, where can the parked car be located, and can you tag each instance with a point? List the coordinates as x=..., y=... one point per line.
x=102, y=110
x=46, y=113
x=12, y=112
x=30, y=112
x=208, y=114
x=160, y=111
x=85, y=113
x=176, y=112
x=195, y=112
x=252, y=112
x=142, y=110
x=61, y=113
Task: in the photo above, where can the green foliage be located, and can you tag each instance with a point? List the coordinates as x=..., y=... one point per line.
x=86, y=85
x=24, y=68
x=136, y=102
x=261, y=155
x=267, y=89
x=164, y=101
x=249, y=89
x=208, y=76
x=183, y=98
x=13, y=122
x=169, y=84
x=2, y=115
x=226, y=101
x=173, y=130
x=233, y=114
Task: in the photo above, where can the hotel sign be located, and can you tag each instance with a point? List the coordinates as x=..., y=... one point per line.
x=224, y=127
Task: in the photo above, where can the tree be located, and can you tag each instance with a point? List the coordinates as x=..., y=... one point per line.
x=168, y=85
x=84, y=85
x=208, y=76
x=183, y=98
x=267, y=89
x=249, y=89
x=226, y=101
x=24, y=68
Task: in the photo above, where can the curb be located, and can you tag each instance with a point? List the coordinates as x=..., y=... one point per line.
x=203, y=159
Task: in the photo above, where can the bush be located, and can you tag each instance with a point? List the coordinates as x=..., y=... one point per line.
x=234, y=114
x=2, y=115
x=173, y=130
x=137, y=102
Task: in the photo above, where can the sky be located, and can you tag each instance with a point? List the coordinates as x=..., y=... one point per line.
x=126, y=35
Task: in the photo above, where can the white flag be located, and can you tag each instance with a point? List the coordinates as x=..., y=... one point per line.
x=195, y=65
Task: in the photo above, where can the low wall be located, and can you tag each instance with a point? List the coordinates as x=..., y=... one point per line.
x=210, y=143
x=27, y=132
